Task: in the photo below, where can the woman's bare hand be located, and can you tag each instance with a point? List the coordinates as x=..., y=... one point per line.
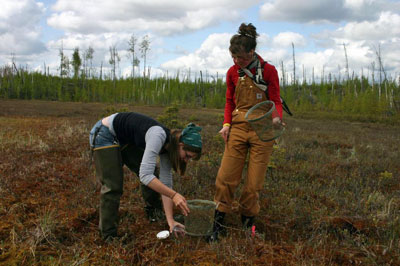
x=225, y=133
x=177, y=229
x=180, y=202
x=277, y=123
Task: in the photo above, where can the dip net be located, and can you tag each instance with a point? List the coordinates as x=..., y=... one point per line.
x=260, y=118
x=199, y=221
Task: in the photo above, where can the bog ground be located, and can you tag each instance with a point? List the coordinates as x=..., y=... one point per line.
x=331, y=194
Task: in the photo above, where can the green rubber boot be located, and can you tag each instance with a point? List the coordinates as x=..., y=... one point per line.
x=108, y=163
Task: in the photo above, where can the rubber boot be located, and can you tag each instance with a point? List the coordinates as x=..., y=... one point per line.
x=247, y=221
x=109, y=171
x=152, y=200
x=218, y=226
x=132, y=157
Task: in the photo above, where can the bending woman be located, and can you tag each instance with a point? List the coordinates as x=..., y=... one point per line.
x=137, y=141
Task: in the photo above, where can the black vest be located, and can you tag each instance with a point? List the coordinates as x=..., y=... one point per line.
x=131, y=128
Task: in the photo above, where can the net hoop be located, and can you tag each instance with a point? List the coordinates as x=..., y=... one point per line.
x=256, y=122
x=258, y=106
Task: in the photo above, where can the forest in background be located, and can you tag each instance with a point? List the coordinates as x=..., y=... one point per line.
x=372, y=99
x=371, y=96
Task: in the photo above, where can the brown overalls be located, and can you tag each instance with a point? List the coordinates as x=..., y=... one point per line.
x=243, y=140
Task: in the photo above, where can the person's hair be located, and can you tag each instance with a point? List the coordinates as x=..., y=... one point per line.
x=245, y=40
x=178, y=164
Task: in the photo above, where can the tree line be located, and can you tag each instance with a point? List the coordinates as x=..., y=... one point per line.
x=357, y=95
x=76, y=82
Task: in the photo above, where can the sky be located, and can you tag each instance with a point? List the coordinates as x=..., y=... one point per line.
x=189, y=36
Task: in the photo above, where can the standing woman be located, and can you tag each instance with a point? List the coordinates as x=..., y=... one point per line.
x=243, y=92
x=137, y=141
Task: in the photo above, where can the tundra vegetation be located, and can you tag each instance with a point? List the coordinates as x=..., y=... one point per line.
x=331, y=193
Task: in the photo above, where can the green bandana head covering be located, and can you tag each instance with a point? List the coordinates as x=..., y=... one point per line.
x=191, y=136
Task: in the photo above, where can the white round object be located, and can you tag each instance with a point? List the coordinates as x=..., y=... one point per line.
x=163, y=234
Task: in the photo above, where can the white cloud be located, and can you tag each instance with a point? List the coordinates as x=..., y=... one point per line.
x=303, y=11
x=365, y=24
x=213, y=56
x=161, y=17
x=360, y=56
x=19, y=27
x=386, y=27
x=285, y=39
x=319, y=11
x=362, y=39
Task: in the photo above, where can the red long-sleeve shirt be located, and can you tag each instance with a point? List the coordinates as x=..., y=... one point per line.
x=270, y=76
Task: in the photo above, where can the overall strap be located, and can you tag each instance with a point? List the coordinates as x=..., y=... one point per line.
x=260, y=83
x=258, y=77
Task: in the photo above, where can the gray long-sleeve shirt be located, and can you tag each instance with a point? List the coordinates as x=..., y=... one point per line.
x=155, y=139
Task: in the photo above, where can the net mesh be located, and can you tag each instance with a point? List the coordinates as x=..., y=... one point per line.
x=200, y=220
x=260, y=118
